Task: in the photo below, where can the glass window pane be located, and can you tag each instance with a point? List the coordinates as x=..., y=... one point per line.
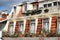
x=32, y=26
x=55, y=3
x=21, y=26
x=11, y=28
x=49, y=5
x=58, y=3
x=45, y=5
x=58, y=26
x=45, y=25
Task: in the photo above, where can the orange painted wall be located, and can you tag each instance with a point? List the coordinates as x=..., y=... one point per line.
x=39, y=26
x=16, y=27
x=27, y=26
x=54, y=24
x=20, y=12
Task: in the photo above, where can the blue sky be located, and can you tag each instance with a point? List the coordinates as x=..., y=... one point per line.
x=8, y=4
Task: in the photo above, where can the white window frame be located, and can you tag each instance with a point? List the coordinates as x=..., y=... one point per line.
x=42, y=24
x=21, y=25
x=57, y=25
x=33, y=22
x=11, y=31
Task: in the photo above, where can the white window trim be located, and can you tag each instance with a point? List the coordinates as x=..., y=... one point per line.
x=34, y=27
x=13, y=29
x=42, y=25
x=57, y=26
x=19, y=27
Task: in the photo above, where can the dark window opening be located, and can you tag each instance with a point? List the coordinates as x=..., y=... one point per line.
x=25, y=7
x=45, y=5
x=37, y=6
x=55, y=3
x=58, y=3
x=46, y=10
x=15, y=9
x=49, y=5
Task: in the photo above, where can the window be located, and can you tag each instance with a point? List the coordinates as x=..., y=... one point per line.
x=45, y=27
x=11, y=28
x=49, y=5
x=58, y=26
x=58, y=3
x=32, y=26
x=15, y=9
x=45, y=5
x=35, y=6
x=25, y=6
x=55, y=3
x=21, y=26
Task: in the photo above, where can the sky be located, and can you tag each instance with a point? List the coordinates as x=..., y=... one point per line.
x=8, y=4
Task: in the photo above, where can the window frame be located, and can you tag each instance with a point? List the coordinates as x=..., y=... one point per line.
x=33, y=22
x=43, y=24
x=59, y=3
x=57, y=24
x=11, y=25
x=45, y=5
x=55, y=3
x=19, y=26
x=50, y=5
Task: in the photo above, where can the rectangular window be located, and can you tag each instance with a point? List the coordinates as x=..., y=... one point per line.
x=50, y=4
x=32, y=26
x=11, y=28
x=58, y=26
x=25, y=6
x=35, y=6
x=45, y=27
x=45, y=5
x=15, y=9
x=55, y=3
x=21, y=26
x=58, y=3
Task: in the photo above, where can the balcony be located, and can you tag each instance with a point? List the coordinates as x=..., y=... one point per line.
x=53, y=9
x=32, y=12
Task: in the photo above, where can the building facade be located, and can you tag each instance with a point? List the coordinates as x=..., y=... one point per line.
x=35, y=17
x=3, y=20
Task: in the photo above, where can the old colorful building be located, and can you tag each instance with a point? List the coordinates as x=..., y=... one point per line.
x=35, y=17
x=3, y=20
